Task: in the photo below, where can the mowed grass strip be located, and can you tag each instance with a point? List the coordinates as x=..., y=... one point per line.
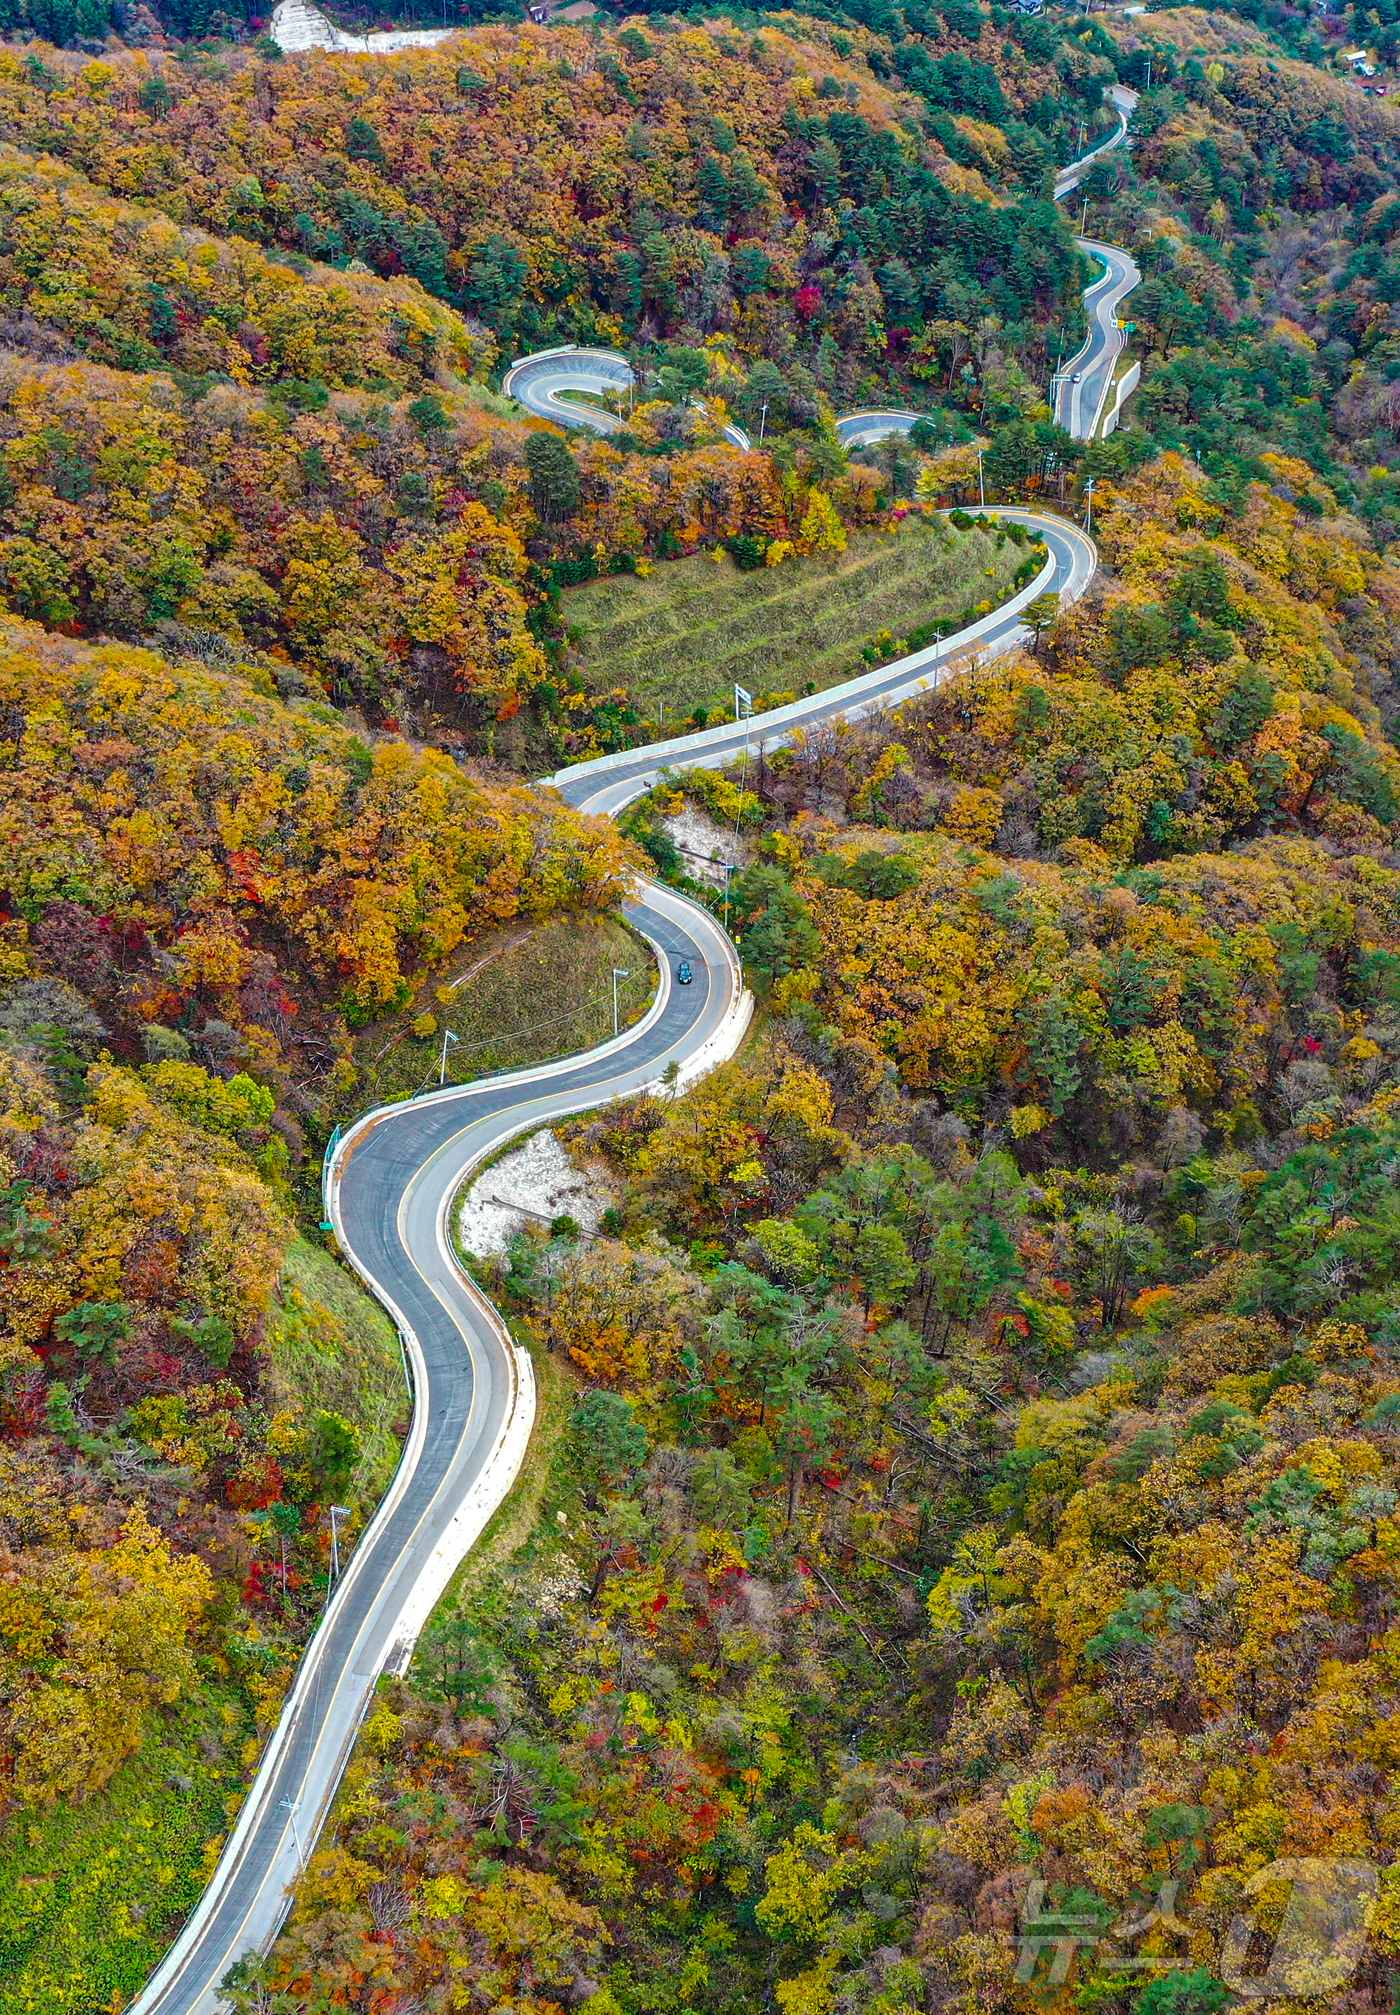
x=683, y=636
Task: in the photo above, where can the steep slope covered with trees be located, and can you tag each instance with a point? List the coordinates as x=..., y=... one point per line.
x=977, y=1470
x=203, y=889
x=297, y=460
x=977, y=1517
x=1260, y=205
x=669, y=179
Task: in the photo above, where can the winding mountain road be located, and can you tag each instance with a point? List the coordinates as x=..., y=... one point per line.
x=1083, y=382
x=390, y=1186
x=1080, y=388
x=1082, y=385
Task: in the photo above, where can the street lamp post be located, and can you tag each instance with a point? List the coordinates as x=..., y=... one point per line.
x=1089, y=500
x=338, y=1511
x=762, y=421
x=447, y=1037
x=981, y=486
x=619, y=973
x=290, y=1808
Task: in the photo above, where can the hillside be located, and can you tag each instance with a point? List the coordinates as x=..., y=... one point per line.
x=680, y=638
x=205, y=889
x=1260, y=204
x=968, y=1487
x=982, y=1485
x=679, y=178
x=349, y=500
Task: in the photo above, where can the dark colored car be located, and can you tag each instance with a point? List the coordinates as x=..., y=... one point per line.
x=684, y=976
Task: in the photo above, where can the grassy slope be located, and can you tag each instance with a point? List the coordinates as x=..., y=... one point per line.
x=90, y=1894
x=519, y=1537
x=532, y=994
x=687, y=632
x=329, y=1345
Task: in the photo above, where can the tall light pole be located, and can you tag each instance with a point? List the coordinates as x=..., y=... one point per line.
x=618, y=973
x=447, y=1037
x=338, y=1511
x=1089, y=500
x=981, y=487
x=289, y=1807
x=762, y=421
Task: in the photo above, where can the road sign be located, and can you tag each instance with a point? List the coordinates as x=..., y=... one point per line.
x=743, y=703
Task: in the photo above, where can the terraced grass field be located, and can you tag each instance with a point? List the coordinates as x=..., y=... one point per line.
x=682, y=637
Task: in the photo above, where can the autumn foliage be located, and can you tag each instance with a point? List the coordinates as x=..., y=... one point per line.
x=979, y=1512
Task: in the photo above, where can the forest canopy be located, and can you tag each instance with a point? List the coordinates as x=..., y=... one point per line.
x=964, y=1492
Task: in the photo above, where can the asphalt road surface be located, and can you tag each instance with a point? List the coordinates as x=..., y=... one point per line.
x=1082, y=384
x=1082, y=390
x=538, y=381
x=394, y=1184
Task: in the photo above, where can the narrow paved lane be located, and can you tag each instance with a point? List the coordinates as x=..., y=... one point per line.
x=1083, y=385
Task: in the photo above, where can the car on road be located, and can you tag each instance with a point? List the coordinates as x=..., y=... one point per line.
x=684, y=976
x=1077, y=376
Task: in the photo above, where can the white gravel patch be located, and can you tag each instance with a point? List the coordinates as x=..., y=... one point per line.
x=297, y=24
x=706, y=845
x=530, y=1186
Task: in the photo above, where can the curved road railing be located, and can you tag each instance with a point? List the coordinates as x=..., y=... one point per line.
x=391, y=1183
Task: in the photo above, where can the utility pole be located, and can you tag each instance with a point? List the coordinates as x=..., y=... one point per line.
x=619, y=973
x=447, y=1037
